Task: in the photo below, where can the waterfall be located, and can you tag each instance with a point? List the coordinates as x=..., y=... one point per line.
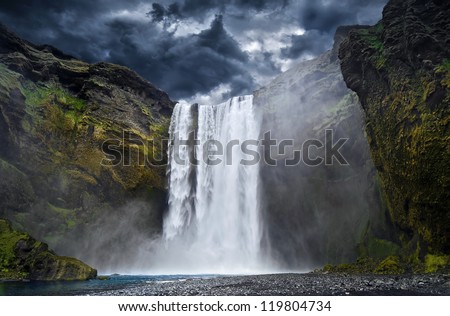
x=213, y=223
x=180, y=198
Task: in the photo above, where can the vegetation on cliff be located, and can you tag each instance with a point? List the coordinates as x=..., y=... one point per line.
x=400, y=70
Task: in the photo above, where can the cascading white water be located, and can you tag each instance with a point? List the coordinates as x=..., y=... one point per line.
x=180, y=187
x=213, y=223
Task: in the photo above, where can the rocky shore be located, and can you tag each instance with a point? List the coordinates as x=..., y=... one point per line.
x=294, y=285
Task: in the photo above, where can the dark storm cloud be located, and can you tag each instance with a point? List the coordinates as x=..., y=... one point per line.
x=313, y=42
x=200, y=8
x=320, y=20
x=189, y=47
x=184, y=66
x=159, y=12
x=327, y=15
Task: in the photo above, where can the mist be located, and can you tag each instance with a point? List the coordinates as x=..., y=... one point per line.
x=315, y=215
x=121, y=240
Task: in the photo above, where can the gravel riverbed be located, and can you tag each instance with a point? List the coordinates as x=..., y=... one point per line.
x=294, y=284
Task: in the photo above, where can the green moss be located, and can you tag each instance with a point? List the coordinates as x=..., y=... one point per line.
x=88, y=159
x=393, y=265
x=328, y=268
x=445, y=66
x=70, y=223
x=58, y=121
x=444, y=69
x=409, y=145
x=52, y=93
x=145, y=110
x=62, y=111
x=436, y=263
x=373, y=38
x=160, y=129
x=8, y=241
x=390, y=265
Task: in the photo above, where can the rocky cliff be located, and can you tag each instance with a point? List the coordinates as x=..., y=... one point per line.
x=80, y=149
x=400, y=69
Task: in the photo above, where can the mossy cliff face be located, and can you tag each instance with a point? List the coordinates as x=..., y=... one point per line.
x=23, y=257
x=62, y=123
x=400, y=69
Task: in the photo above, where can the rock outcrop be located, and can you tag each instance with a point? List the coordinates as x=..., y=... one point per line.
x=23, y=257
x=400, y=69
x=78, y=141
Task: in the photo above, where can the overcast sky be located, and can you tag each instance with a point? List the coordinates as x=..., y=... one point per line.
x=203, y=51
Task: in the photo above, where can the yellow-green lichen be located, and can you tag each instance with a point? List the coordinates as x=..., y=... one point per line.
x=444, y=69
x=436, y=263
x=411, y=133
x=390, y=265
x=8, y=241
